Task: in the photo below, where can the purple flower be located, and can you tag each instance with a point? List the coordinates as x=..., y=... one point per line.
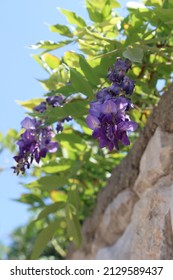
x=127, y=125
x=55, y=101
x=109, y=107
x=41, y=108
x=115, y=88
x=92, y=122
x=117, y=73
x=103, y=94
x=122, y=103
x=112, y=124
x=108, y=113
x=35, y=143
x=95, y=107
x=59, y=127
x=122, y=65
x=128, y=85
x=52, y=147
x=28, y=123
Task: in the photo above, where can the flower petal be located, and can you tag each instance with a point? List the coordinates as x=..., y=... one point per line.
x=124, y=139
x=52, y=147
x=28, y=123
x=109, y=107
x=92, y=122
x=127, y=126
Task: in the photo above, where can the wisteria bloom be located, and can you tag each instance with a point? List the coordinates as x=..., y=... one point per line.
x=54, y=101
x=35, y=143
x=41, y=108
x=108, y=113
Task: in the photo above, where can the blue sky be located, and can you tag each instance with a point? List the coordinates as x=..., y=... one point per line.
x=22, y=24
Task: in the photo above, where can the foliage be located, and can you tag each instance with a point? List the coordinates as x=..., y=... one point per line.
x=22, y=243
x=8, y=140
x=66, y=184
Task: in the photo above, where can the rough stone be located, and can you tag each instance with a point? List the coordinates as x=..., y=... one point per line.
x=149, y=235
x=149, y=231
x=133, y=218
x=120, y=250
x=155, y=161
x=116, y=217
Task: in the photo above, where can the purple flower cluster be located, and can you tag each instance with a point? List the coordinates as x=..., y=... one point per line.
x=108, y=113
x=107, y=118
x=35, y=143
x=54, y=101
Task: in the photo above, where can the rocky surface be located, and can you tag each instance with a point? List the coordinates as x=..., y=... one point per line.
x=134, y=216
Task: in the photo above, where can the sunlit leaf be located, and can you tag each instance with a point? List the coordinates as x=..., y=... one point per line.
x=71, y=59
x=49, y=45
x=58, y=196
x=134, y=54
x=30, y=104
x=62, y=30
x=88, y=71
x=73, y=18
x=55, y=167
x=80, y=83
x=51, y=60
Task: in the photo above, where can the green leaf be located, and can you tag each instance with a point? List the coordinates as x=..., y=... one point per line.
x=51, y=60
x=165, y=15
x=94, y=14
x=154, y=3
x=52, y=208
x=80, y=83
x=134, y=54
x=71, y=59
x=38, y=59
x=31, y=199
x=62, y=30
x=48, y=183
x=70, y=137
x=73, y=225
x=73, y=18
x=100, y=10
x=56, y=80
x=58, y=196
x=49, y=45
x=86, y=48
x=73, y=198
x=114, y=4
x=100, y=4
x=55, y=167
x=88, y=71
x=43, y=238
x=76, y=109
x=66, y=90
x=98, y=37
x=30, y=104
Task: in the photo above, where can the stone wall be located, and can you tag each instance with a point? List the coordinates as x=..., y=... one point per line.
x=133, y=218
